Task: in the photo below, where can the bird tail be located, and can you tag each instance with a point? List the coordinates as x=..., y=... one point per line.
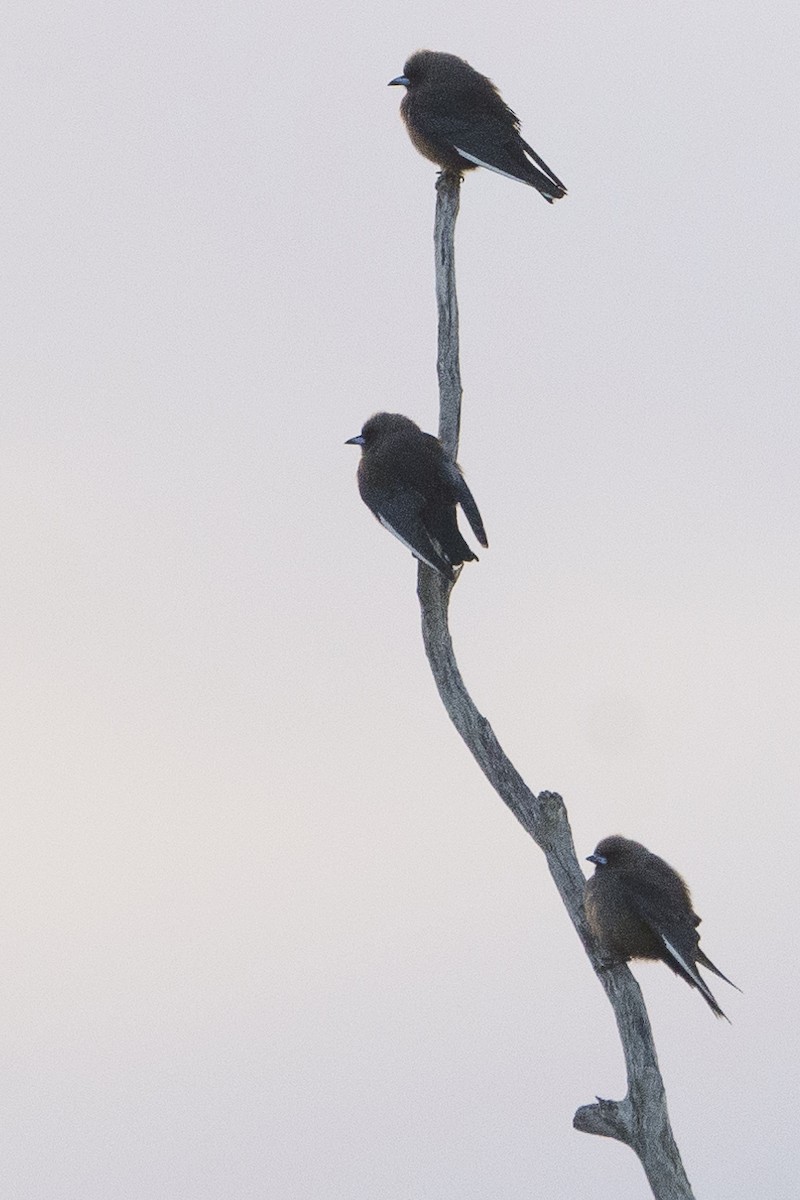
x=453, y=548
x=467, y=502
x=689, y=972
x=471, y=513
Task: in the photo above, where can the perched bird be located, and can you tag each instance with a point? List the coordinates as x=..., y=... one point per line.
x=413, y=487
x=457, y=118
x=638, y=906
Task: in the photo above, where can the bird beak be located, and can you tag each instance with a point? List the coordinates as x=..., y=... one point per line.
x=358, y=440
x=598, y=859
x=401, y=81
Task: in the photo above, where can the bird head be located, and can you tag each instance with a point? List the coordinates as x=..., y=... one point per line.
x=382, y=425
x=619, y=853
x=422, y=65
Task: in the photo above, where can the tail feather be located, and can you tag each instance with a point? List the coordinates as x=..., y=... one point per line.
x=470, y=508
x=442, y=528
x=551, y=186
x=473, y=516
x=705, y=961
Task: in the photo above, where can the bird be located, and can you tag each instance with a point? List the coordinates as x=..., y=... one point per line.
x=638, y=906
x=457, y=118
x=412, y=486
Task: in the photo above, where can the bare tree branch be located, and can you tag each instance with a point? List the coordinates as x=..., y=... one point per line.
x=640, y=1119
x=448, y=368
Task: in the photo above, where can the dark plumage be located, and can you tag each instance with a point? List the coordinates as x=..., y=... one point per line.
x=457, y=118
x=413, y=488
x=638, y=906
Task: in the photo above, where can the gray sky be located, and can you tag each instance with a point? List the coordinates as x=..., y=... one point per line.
x=266, y=930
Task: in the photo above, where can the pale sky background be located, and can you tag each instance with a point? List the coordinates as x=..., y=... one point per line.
x=266, y=931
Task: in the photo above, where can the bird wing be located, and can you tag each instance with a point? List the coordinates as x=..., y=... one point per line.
x=465, y=499
x=681, y=961
x=491, y=142
x=543, y=165
x=676, y=930
x=490, y=166
x=659, y=915
x=399, y=512
x=480, y=137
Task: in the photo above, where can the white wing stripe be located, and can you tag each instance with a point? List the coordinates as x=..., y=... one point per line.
x=407, y=545
x=480, y=163
x=690, y=971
